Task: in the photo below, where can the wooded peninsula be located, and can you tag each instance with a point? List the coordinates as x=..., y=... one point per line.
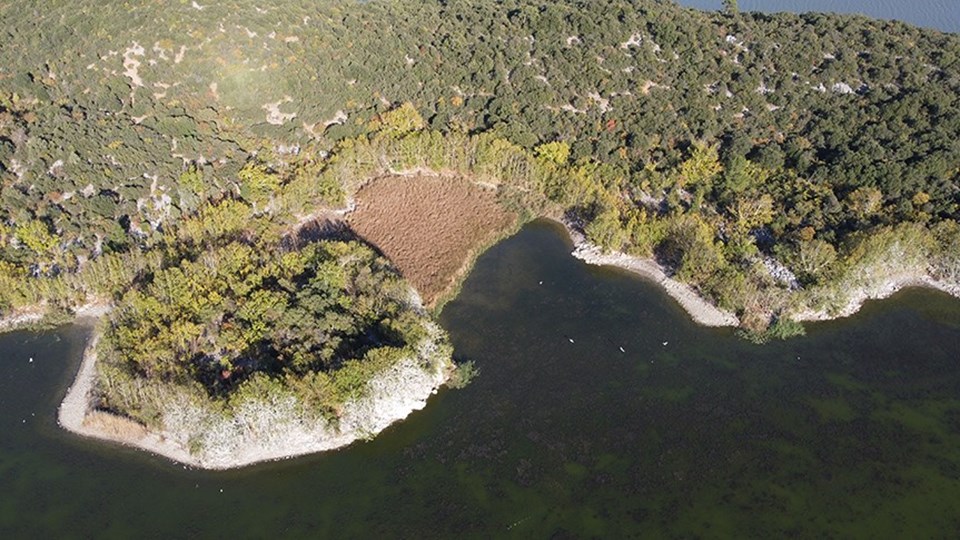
x=193, y=168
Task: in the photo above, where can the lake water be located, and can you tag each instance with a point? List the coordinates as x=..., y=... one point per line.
x=941, y=14
x=853, y=430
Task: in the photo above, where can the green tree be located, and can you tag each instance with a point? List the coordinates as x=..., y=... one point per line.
x=811, y=259
x=606, y=231
x=257, y=183
x=404, y=119
x=701, y=167
x=864, y=202
x=752, y=212
x=36, y=236
x=556, y=153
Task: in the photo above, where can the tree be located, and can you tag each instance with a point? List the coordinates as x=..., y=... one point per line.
x=190, y=188
x=257, y=184
x=864, y=202
x=605, y=230
x=731, y=7
x=753, y=212
x=811, y=259
x=36, y=236
x=402, y=120
x=946, y=257
x=702, y=166
x=689, y=247
x=556, y=153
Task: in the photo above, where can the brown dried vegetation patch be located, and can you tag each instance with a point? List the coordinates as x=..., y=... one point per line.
x=115, y=427
x=430, y=227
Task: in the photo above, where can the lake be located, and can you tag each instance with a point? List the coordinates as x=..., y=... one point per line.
x=853, y=430
x=941, y=14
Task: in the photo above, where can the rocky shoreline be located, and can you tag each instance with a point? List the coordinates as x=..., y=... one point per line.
x=21, y=318
x=884, y=289
x=699, y=309
x=707, y=314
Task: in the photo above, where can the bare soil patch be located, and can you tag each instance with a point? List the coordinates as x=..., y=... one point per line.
x=430, y=227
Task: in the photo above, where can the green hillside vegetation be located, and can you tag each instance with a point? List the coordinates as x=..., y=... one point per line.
x=718, y=246
x=723, y=144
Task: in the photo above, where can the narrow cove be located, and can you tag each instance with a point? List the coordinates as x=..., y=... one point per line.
x=688, y=431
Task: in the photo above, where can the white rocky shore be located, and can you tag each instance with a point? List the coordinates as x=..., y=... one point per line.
x=869, y=286
x=702, y=311
x=878, y=290
x=21, y=318
x=265, y=430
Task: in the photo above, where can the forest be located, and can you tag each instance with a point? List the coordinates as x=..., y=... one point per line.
x=242, y=321
x=160, y=157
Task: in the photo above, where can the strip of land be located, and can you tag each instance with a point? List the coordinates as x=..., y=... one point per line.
x=699, y=309
x=884, y=289
x=707, y=314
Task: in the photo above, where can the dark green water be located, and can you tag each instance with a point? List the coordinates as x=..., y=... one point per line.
x=853, y=430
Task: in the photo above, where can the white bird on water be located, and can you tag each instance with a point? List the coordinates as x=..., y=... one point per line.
x=571, y=340
x=665, y=343
x=621, y=349
x=31, y=360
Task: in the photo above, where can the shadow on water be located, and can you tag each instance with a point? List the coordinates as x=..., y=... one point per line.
x=600, y=410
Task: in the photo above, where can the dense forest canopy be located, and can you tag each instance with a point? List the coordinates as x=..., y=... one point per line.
x=242, y=320
x=713, y=141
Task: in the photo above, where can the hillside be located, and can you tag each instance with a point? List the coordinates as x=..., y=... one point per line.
x=774, y=162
